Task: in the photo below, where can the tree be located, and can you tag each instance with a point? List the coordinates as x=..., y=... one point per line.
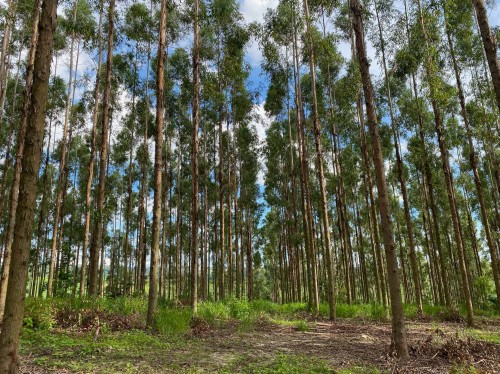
x=14, y=306
x=490, y=46
x=194, y=162
x=88, y=190
x=17, y=168
x=398, y=325
x=155, y=252
x=101, y=189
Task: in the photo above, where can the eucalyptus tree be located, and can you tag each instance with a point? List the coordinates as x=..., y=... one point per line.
x=138, y=28
x=398, y=325
x=98, y=224
x=20, y=151
x=399, y=161
x=14, y=307
x=194, y=161
x=160, y=83
x=437, y=85
x=320, y=162
x=93, y=141
x=79, y=24
x=490, y=46
x=458, y=22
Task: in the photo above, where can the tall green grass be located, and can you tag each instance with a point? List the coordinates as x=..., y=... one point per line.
x=40, y=313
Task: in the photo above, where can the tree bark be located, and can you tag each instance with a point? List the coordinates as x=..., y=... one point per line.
x=19, y=156
x=473, y=166
x=490, y=46
x=321, y=174
x=401, y=177
x=88, y=189
x=14, y=307
x=398, y=324
x=101, y=189
x=155, y=247
x=194, y=165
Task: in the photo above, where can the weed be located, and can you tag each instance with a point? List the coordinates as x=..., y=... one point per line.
x=172, y=320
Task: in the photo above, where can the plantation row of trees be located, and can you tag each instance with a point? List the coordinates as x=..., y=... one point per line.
x=381, y=170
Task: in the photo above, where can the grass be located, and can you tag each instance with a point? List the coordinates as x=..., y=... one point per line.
x=117, y=352
x=484, y=335
x=170, y=344
x=40, y=313
x=279, y=364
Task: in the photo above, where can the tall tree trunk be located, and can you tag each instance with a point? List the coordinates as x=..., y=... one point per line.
x=19, y=156
x=155, y=247
x=319, y=164
x=490, y=46
x=398, y=324
x=313, y=300
x=194, y=165
x=28, y=186
x=90, y=178
x=438, y=122
x=58, y=215
x=401, y=177
x=101, y=189
x=5, y=56
x=473, y=166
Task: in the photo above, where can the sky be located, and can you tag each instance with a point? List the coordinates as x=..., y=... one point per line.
x=252, y=11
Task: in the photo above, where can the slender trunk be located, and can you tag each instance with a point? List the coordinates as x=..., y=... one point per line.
x=90, y=178
x=490, y=45
x=438, y=122
x=473, y=165
x=398, y=324
x=14, y=307
x=155, y=247
x=62, y=164
x=304, y=180
x=319, y=164
x=25, y=120
x=194, y=162
x=401, y=177
x=101, y=189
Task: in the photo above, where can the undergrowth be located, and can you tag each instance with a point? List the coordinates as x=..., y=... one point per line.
x=126, y=313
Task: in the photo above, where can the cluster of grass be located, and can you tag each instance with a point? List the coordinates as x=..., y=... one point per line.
x=484, y=335
x=290, y=363
x=116, y=351
x=170, y=319
x=279, y=364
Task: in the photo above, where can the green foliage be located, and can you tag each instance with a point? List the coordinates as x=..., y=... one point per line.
x=487, y=336
x=294, y=364
x=118, y=352
x=38, y=314
x=463, y=369
x=302, y=325
x=213, y=313
x=172, y=321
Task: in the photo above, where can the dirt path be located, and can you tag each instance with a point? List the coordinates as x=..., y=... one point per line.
x=357, y=344
x=348, y=345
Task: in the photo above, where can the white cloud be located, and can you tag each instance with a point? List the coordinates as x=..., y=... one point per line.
x=254, y=10
x=261, y=121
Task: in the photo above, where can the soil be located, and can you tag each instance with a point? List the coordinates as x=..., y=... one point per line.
x=346, y=344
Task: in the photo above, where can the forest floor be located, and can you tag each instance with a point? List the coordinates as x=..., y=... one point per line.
x=268, y=344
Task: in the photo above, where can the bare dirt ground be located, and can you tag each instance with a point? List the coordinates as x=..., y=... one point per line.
x=351, y=344
x=348, y=345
